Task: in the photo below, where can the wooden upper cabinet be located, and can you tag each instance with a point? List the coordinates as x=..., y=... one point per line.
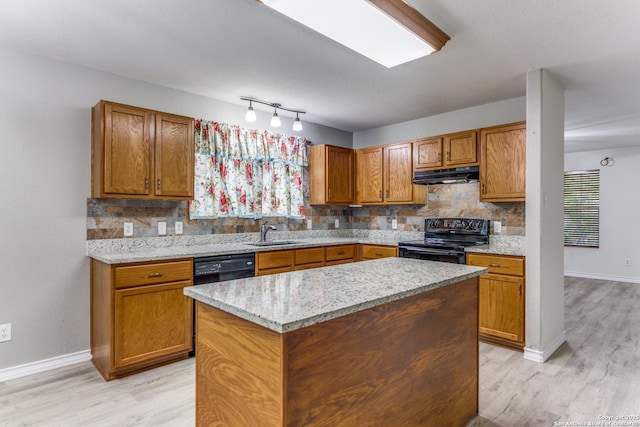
x=398, y=173
x=384, y=174
x=139, y=153
x=174, y=156
x=331, y=175
x=503, y=163
x=461, y=149
x=447, y=151
x=126, y=151
x=427, y=153
x=369, y=175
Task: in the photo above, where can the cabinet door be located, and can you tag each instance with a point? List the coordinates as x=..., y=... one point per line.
x=501, y=307
x=428, y=153
x=339, y=175
x=174, y=145
x=126, y=150
x=461, y=149
x=376, y=251
x=398, y=173
x=502, y=163
x=369, y=175
x=151, y=322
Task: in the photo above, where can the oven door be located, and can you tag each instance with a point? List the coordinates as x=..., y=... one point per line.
x=431, y=254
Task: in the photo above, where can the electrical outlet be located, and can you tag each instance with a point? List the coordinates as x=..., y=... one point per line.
x=179, y=228
x=497, y=227
x=162, y=228
x=309, y=224
x=5, y=332
x=337, y=223
x=627, y=262
x=128, y=229
x=394, y=224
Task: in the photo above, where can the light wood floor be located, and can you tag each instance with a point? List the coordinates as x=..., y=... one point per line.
x=595, y=373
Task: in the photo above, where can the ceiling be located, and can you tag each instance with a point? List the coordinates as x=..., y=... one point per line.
x=225, y=49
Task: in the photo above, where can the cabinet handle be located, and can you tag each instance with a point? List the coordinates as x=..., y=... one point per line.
x=380, y=194
x=378, y=254
x=146, y=183
x=520, y=289
x=483, y=188
x=158, y=184
x=340, y=253
x=494, y=265
x=329, y=195
x=448, y=156
x=387, y=194
x=439, y=157
x=156, y=274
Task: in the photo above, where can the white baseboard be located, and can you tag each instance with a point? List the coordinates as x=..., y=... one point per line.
x=603, y=277
x=541, y=356
x=44, y=365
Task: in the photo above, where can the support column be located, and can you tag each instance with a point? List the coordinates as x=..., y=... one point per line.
x=544, y=318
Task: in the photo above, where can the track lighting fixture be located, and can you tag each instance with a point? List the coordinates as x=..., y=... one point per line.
x=250, y=116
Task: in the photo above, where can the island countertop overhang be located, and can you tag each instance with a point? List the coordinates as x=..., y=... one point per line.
x=290, y=301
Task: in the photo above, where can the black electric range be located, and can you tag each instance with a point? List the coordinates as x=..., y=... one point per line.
x=445, y=239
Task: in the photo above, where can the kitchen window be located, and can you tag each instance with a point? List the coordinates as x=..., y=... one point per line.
x=582, y=208
x=247, y=173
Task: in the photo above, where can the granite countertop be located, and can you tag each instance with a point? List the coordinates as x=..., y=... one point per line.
x=503, y=245
x=289, y=301
x=120, y=251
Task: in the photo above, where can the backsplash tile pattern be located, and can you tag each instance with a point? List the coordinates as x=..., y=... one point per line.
x=106, y=217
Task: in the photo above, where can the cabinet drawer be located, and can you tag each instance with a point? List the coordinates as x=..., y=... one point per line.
x=148, y=274
x=274, y=259
x=513, y=266
x=309, y=256
x=374, y=252
x=340, y=252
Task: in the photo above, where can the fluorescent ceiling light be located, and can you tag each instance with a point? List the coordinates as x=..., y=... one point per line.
x=365, y=28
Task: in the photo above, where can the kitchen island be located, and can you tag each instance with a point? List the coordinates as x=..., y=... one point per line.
x=385, y=342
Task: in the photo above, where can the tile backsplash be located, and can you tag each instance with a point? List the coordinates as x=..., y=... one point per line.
x=106, y=217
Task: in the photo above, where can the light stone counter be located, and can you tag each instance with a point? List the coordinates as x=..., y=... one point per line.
x=119, y=251
x=289, y=301
x=503, y=245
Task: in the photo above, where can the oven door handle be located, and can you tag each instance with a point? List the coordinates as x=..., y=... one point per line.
x=428, y=251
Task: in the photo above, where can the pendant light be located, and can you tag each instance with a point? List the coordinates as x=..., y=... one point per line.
x=297, y=124
x=250, y=116
x=275, y=120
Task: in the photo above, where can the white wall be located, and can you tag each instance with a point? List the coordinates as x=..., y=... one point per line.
x=495, y=113
x=44, y=183
x=619, y=213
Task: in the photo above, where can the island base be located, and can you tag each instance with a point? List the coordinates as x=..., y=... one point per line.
x=411, y=362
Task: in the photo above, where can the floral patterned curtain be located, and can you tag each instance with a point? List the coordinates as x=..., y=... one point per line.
x=241, y=172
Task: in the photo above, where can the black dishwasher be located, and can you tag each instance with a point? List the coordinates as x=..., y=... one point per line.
x=219, y=268
x=223, y=267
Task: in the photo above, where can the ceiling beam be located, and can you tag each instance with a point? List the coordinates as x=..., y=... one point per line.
x=413, y=20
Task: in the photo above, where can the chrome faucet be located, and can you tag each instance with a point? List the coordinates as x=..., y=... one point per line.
x=264, y=228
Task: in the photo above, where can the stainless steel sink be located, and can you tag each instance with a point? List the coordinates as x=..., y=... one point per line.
x=274, y=243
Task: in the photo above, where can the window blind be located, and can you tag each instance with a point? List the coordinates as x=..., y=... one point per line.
x=582, y=208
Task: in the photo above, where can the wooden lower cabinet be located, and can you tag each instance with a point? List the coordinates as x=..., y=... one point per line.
x=282, y=261
x=340, y=254
x=272, y=262
x=140, y=317
x=501, y=299
x=309, y=258
x=367, y=252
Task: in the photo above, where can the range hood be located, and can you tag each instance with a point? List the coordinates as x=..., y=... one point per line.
x=447, y=176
